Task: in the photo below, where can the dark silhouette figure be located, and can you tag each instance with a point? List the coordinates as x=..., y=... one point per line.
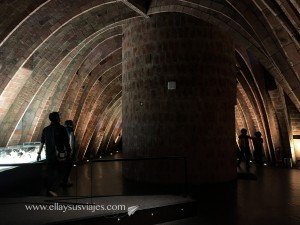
x=258, y=148
x=56, y=139
x=244, y=146
x=69, y=162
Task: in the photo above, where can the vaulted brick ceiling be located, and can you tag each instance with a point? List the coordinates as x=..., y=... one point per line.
x=66, y=56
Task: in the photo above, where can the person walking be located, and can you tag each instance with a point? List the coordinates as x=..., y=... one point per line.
x=58, y=149
x=244, y=146
x=258, y=148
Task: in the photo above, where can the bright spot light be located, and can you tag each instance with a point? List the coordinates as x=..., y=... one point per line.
x=111, y=153
x=297, y=147
x=74, y=165
x=152, y=214
x=25, y=153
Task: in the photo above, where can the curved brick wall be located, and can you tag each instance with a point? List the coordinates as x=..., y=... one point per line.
x=53, y=55
x=196, y=119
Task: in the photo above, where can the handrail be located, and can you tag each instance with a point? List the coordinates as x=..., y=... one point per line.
x=22, y=164
x=138, y=159
x=102, y=160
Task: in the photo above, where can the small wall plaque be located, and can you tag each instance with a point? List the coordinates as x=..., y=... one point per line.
x=171, y=85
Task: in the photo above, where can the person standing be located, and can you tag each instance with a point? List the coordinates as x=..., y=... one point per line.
x=244, y=146
x=58, y=149
x=258, y=148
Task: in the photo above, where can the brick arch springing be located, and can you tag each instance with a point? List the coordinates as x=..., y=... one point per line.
x=69, y=73
x=8, y=8
x=39, y=27
x=117, y=128
x=104, y=74
x=239, y=118
x=110, y=60
x=249, y=120
x=108, y=141
x=254, y=77
x=278, y=51
x=59, y=101
x=97, y=84
x=17, y=109
x=205, y=10
x=91, y=77
x=95, y=96
x=93, y=91
x=253, y=86
x=100, y=132
x=37, y=106
x=100, y=107
x=242, y=119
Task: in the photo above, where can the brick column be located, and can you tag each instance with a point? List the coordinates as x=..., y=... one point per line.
x=196, y=119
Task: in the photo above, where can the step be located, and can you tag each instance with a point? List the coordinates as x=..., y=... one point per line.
x=152, y=209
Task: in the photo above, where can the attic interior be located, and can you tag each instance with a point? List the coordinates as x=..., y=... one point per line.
x=158, y=91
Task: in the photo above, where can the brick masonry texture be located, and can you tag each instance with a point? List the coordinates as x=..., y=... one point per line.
x=66, y=56
x=195, y=120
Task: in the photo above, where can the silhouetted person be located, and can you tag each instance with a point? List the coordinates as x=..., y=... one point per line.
x=69, y=163
x=244, y=146
x=258, y=148
x=58, y=149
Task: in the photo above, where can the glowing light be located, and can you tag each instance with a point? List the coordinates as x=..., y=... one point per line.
x=152, y=214
x=111, y=153
x=26, y=153
x=116, y=140
x=297, y=147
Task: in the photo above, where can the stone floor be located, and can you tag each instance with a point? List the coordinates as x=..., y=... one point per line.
x=15, y=211
x=273, y=198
